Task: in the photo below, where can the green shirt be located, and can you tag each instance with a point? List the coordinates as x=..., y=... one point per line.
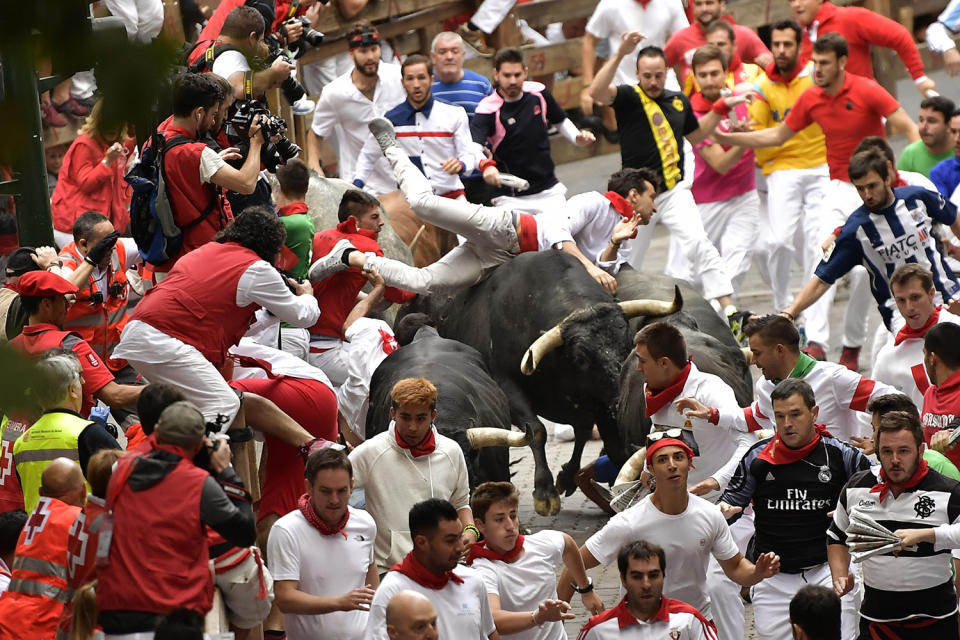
x=941, y=464
x=916, y=158
x=300, y=232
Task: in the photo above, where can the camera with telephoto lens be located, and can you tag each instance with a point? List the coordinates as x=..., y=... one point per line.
x=310, y=35
x=291, y=88
x=272, y=154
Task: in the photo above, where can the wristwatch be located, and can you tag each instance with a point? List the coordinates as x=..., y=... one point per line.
x=586, y=589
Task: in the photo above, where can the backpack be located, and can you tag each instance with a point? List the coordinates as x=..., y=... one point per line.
x=152, y=221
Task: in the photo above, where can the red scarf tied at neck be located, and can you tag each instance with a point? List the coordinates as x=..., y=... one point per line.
x=907, y=333
x=427, y=445
x=885, y=485
x=776, y=452
x=658, y=399
x=412, y=568
x=481, y=550
x=306, y=508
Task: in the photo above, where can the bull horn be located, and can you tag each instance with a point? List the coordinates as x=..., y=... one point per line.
x=653, y=308
x=747, y=354
x=631, y=469
x=495, y=437
x=416, y=238
x=541, y=347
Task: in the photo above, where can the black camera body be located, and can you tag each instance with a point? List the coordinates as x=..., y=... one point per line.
x=310, y=35
x=272, y=154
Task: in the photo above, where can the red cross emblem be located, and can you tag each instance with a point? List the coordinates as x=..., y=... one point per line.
x=38, y=520
x=77, y=544
x=6, y=461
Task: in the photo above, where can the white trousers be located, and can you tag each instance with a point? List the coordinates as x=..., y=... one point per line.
x=295, y=341
x=549, y=200
x=771, y=603
x=794, y=199
x=726, y=605
x=677, y=210
x=143, y=19
x=490, y=233
x=732, y=226
x=491, y=13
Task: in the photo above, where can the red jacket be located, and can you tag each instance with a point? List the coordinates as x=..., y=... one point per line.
x=197, y=302
x=86, y=184
x=82, y=553
x=337, y=294
x=169, y=567
x=862, y=28
x=941, y=404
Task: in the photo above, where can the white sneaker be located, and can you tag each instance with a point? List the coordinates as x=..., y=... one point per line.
x=303, y=106
x=331, y=263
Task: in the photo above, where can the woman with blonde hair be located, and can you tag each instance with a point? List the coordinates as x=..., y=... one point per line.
x=91, y=177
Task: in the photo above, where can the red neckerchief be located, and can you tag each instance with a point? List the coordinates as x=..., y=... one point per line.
x=735, y=66
x=426, y=446
x=659, y=398
x=778, y=453
x=350, y=226
x=906, y=333
x=899, y=182
x=774, y=74
x=412, y=568
x=885, y=485
x=620, y=204
x=644, y=3
x=481, y=550
x=625, y=618
x=306, y=508
x=293, y=208
x=700, y=104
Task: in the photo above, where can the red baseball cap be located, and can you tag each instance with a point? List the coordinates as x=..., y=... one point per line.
x=43, y=284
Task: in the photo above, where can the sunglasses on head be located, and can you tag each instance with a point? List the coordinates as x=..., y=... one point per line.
x=683, y=435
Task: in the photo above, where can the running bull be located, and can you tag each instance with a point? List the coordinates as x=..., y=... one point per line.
x=554, y=341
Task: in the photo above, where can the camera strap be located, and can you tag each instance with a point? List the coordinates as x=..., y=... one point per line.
x=294, y=7
x=248, y=85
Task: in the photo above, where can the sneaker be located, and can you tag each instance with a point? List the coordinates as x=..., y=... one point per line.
x=850, y=358
x=815, y=350
x=382, y=130
x=331, y=263
x=303, y=107
x=513, y=182
x=50, y=116
x=476, y=40
x=71, y=107
x=737, y=321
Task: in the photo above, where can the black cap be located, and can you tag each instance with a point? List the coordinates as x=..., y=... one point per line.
x=21, y=262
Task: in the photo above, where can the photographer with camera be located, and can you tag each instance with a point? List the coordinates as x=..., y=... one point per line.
x=145, y=576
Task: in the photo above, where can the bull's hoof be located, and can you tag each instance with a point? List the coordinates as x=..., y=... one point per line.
x=566, y=482
x=548, y=507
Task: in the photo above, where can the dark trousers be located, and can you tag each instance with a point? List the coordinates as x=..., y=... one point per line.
x=922, y=629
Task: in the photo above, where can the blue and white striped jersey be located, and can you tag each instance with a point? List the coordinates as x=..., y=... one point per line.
x=883, y=240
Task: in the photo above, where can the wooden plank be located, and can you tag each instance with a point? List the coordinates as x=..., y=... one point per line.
x=559, y=56
x=394, y=29
x=540, y=13
x=376, y=12
x=567, y=92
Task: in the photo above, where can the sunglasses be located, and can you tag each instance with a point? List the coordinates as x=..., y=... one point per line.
x=683, y=435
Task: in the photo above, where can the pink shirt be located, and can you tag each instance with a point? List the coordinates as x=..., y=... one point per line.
x=710, y=186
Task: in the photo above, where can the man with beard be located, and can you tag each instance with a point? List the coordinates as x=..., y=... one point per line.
x=644, y=612
x=434, y=134
x=348, y=103
x=797, y=178
x=936, y=143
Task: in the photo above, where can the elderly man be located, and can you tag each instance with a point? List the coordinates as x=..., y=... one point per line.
x=411, y=616
x=150, y=575
x=60, y=430
x=30, y=608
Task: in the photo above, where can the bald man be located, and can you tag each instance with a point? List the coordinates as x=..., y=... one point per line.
x=62, y=479
x=411, y=616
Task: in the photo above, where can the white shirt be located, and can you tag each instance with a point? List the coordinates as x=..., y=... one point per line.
x=589, y=219
x=463, y=611
x=612, y=18
x=394, y=481
x=230, y=62
x=901, y=366
x=323, y=566
x=688, y=539
x=429, y=136
x=343, y=110
x=720, y=447
x=4, y=578
x=280, y=362
x=675, y=620
x=524, y=583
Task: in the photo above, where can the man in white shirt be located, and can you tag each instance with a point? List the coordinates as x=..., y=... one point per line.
x=434, y=134
x=351, y=101
x=460, y=597
x=690, y=530
x=411, y=616
x=900, y=362
x=408, y=463
x=520, y=571
x=321, y=555
x=644, y=613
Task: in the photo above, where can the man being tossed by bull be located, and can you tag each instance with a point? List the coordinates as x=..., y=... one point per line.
x=494, y=235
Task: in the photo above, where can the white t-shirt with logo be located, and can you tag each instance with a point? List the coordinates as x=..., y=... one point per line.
x=324, y=566
x=687, y=539
x=524, y=583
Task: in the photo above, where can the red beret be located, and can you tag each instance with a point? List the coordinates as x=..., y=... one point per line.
x=42, y=284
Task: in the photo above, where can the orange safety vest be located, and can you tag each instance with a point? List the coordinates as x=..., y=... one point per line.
x=100, y=316
x=30, y=608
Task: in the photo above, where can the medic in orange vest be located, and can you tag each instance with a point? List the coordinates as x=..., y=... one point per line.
x=31, y=606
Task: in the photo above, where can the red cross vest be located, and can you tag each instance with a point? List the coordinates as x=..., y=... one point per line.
x=37, y=338
x=82, y=554
x=99, y=319
x=30, y=608
x=11, y=495
x=197, y=302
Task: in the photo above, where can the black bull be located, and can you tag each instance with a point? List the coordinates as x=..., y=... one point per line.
x=467, y=398
x=575, y=381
